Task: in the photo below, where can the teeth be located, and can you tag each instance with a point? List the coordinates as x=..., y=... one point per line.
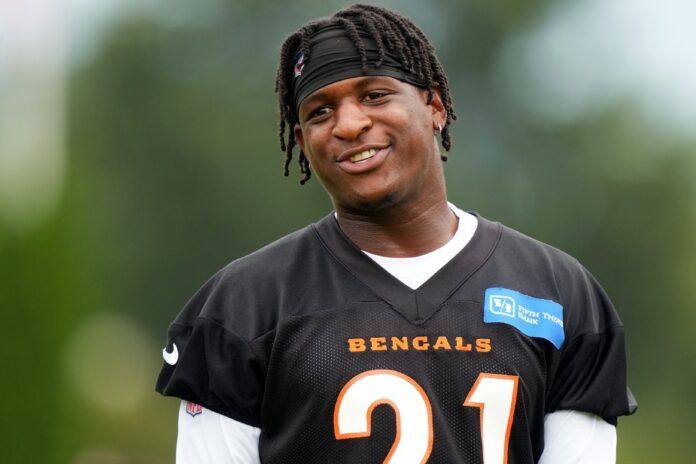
x=363, y=155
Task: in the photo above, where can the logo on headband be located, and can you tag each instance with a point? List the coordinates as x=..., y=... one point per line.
x=299, y=65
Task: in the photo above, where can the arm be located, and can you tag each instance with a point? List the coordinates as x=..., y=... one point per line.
x=571, y=437
x=574, y=437
x=211, y=438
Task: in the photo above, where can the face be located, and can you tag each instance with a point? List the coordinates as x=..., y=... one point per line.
x=370, y=141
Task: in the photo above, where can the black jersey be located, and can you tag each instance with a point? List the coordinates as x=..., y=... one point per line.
x=338, y=361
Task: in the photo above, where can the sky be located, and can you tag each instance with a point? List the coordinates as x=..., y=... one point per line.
x=586, y=55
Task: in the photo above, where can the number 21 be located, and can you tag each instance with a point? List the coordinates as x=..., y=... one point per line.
x=494, y=394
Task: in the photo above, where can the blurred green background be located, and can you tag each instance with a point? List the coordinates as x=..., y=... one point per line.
x=139, y=154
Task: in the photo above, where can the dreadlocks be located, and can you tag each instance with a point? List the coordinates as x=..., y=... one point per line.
x=386, y=28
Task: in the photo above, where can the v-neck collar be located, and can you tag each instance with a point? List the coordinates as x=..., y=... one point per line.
x=420, y=304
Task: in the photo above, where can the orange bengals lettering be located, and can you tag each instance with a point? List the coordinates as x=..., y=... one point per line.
x=419, y=343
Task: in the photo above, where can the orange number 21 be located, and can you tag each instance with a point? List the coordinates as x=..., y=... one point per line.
x=494, y=394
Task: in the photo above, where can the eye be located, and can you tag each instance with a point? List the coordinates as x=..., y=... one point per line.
x=318, y=112
x=375, y=95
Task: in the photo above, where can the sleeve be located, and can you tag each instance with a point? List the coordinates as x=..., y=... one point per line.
x=573, y=437
x=207, y=363
x=590, y=374
x=206, y=437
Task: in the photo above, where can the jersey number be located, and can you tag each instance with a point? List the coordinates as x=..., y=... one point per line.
x=494, y=394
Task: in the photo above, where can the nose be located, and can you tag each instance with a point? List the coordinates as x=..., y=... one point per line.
x=350, y=121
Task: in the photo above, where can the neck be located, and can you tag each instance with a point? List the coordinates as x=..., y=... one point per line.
x=401, y=230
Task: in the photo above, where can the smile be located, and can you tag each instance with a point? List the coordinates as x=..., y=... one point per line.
x=364, y=161
x=364, y=155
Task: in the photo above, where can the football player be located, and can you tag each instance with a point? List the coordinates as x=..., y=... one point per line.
x=399, y=328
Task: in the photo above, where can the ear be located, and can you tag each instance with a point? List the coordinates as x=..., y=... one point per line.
x=439, y=114
x=299, y=137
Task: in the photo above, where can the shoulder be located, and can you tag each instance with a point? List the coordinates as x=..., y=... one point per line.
x=276, y=260
x=535, y=253
x=244, y=297
x=523, y=255
x=254, y=293
x=537, y=269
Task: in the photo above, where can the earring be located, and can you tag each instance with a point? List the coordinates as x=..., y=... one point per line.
x=439, y=127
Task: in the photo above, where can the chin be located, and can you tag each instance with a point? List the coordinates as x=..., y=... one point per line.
x=373, y=203
x=373, y=198
x=376, y=205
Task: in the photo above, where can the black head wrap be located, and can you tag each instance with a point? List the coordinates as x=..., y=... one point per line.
x=334, y=57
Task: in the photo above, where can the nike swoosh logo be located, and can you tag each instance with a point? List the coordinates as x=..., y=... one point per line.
x=170, y=358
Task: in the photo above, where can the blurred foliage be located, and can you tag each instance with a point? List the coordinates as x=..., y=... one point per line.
x=174, y=170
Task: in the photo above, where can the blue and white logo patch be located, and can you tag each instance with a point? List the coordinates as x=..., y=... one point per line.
x=534, y=317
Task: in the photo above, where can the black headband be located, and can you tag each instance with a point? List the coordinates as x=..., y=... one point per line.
x=334, y=57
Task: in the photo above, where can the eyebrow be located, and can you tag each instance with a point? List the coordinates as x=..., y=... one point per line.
x=360, y=85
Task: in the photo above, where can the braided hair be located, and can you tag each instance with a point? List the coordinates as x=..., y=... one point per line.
x=388, y=29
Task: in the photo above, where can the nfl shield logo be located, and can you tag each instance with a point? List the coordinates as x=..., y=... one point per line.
x=193, y=409
x=299, y=65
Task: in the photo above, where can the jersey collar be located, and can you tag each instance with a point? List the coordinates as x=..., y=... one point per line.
x=420, y=304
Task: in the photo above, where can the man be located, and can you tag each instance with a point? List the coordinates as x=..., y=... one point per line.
x=399, y=328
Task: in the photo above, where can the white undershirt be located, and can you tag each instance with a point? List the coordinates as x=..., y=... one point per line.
x=416, y=270
x=570, y=437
